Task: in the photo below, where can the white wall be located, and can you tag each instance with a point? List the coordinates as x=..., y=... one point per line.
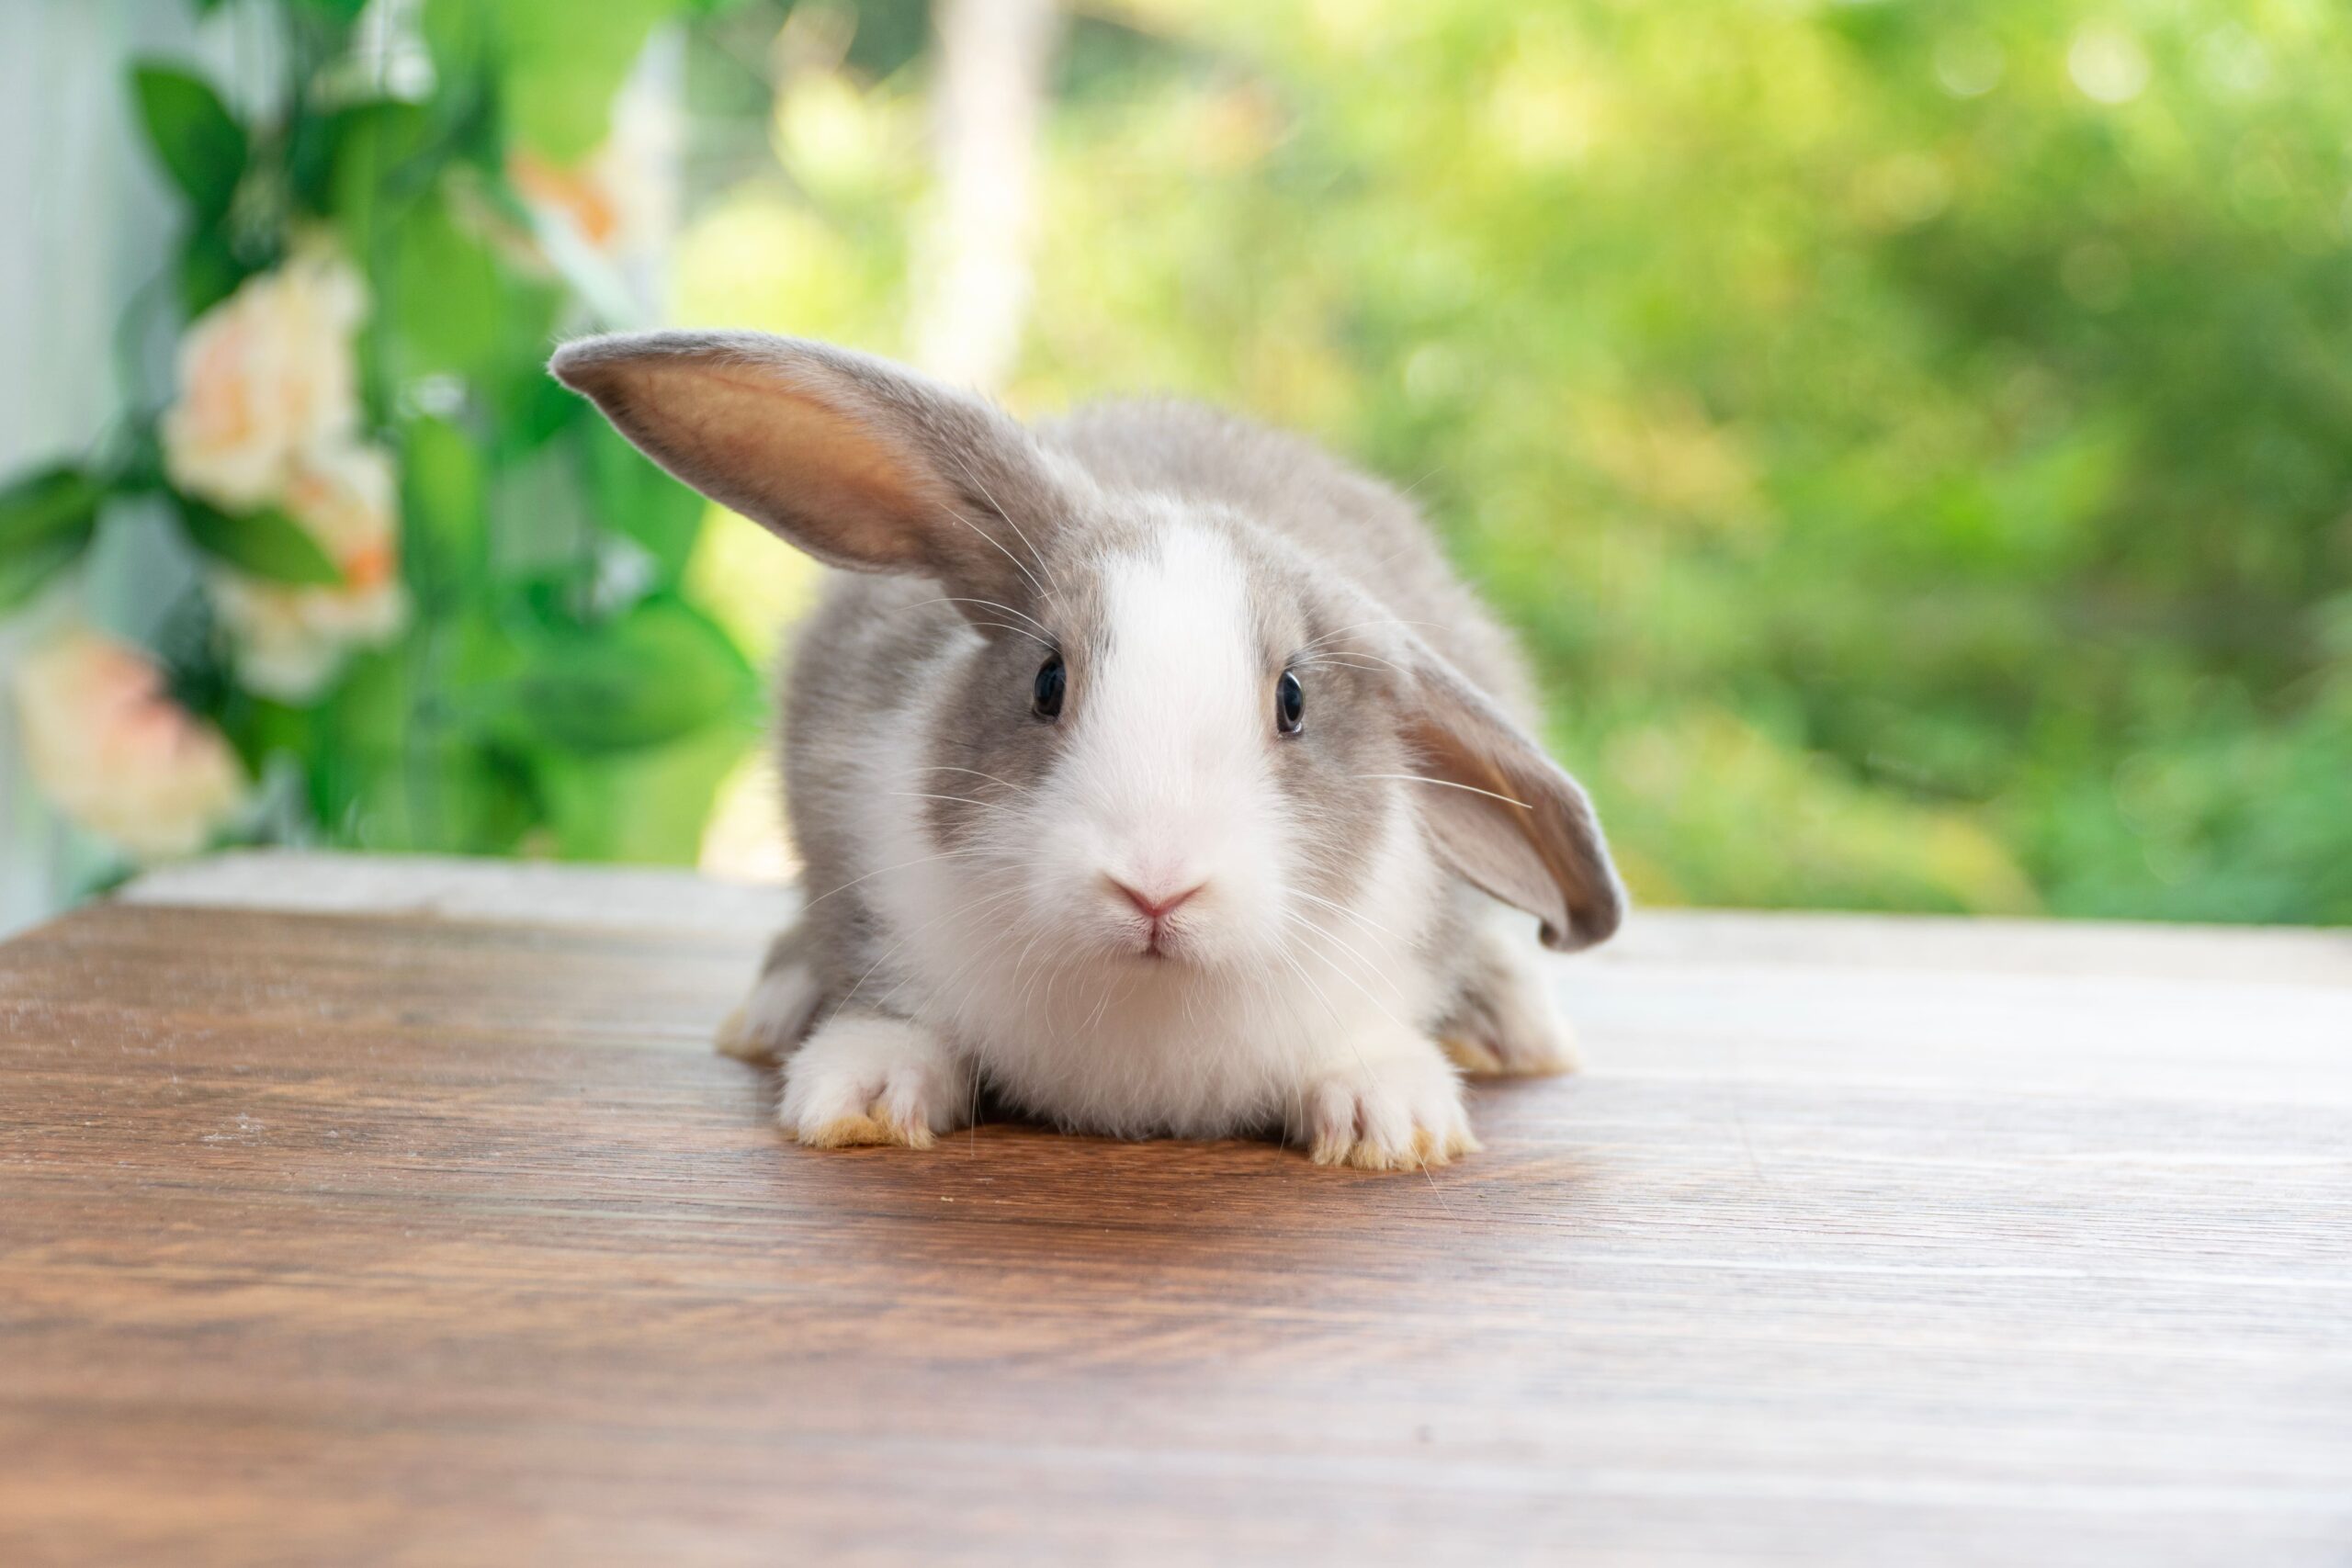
x=88, y=221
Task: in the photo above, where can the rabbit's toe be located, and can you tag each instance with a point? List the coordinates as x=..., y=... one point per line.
x=872, y=1080
x=1402, y=1113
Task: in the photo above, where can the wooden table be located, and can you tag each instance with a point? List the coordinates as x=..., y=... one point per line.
x=362, y=1212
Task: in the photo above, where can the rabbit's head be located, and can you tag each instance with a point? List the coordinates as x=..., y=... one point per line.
x=1172, y=740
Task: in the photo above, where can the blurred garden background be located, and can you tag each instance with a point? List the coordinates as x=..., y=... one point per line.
x=1914, y=440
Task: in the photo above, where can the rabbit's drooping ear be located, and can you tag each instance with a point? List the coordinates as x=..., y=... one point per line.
x=859, y=463
x=1501, y=813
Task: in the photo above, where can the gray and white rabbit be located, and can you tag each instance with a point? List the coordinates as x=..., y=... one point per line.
x=1151, y=768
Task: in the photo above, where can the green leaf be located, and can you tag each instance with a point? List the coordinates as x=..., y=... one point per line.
x=542, y=530
x=381, y=157
x=195, y=138
x=559, y=61
x=635, y=498
x=443, y=297
x=210, y=271
x=46, y=520
x=436, y=795
x=25, y=572
x=648, y=806
x=265, y=544
x=541, y=409
x=456, y=34
x=443, y=501
x=655, y=674
x=46, y=505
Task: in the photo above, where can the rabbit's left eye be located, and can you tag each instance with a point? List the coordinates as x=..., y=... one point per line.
x=1290, y=704
x=1046, y=694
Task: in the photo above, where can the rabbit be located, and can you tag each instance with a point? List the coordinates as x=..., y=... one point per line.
x=1151, y=768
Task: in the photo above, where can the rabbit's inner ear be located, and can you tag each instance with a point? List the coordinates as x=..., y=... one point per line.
x=1503, y=815
x=848, y=458
x=803, y=467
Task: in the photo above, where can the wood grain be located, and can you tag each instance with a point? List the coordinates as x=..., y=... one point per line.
x=414, y=1238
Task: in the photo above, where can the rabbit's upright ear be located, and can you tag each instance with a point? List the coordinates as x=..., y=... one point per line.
x=859, y=463
x=1500, y=812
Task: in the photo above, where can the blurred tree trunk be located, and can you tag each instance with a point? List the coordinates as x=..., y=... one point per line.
x=972, y=276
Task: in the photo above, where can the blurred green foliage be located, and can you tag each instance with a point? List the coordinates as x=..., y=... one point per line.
x=1914, y=439
x=551, y=688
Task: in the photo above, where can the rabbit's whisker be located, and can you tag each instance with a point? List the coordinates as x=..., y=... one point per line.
x=1033, y=637
x=1345, y=661
x=998, y=545
x=960, y=799
x=1359, y=625
x=1283, y=952
x=1358, y=919
x=1341, y=970
x=1315, y=653
x=986, y=604
x=946, y=768
x=1025, y=541
x=969, y=907
x=1345, y=946
x=881, y=871
x=1449, y=784
x=899, y=946
x=1102, y=1005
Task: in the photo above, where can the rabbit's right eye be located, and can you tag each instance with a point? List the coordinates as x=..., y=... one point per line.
x=1046, y=696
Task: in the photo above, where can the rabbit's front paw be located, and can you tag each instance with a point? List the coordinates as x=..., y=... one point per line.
x=1399, y=1112
x=867, y=1078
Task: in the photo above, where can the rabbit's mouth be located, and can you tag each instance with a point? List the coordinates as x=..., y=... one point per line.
x=1153, y=914
x=1160, y=943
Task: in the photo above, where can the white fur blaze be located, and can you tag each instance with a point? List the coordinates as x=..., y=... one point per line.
x=1167, y=767
x=869, y=1080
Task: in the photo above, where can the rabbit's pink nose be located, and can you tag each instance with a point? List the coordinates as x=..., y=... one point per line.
x=1156, y=907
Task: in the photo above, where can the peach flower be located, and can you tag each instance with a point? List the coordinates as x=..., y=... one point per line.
x=291, y=640
x=263, y=376
x=107, y=744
